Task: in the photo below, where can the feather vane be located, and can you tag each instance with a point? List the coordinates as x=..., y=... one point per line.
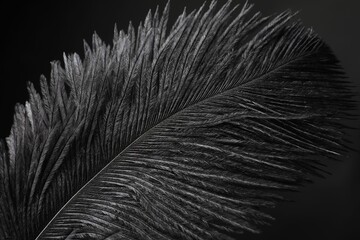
x=182, y=135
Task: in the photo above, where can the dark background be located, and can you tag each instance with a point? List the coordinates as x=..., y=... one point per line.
x=33, y=34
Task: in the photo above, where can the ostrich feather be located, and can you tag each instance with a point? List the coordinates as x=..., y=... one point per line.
x=181, y=133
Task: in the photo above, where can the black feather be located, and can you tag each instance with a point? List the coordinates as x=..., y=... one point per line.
x=180, y=135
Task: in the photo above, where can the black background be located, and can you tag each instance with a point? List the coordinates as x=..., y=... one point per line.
x=33, y=34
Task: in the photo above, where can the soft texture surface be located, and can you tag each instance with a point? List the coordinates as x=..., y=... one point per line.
x=181, y=133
